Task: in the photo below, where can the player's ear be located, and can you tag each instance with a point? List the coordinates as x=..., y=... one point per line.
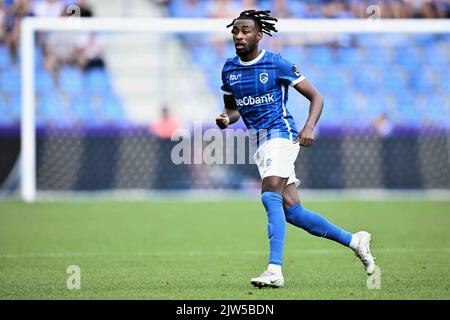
x=259, y=36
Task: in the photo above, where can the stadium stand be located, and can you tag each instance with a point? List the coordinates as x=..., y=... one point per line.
x=359, y=75
x=70, y=85
x=345, y=70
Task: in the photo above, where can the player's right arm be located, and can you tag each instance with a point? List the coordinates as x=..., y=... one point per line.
x=230, y=113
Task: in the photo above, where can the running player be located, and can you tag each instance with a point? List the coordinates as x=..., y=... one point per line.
x=255, y=87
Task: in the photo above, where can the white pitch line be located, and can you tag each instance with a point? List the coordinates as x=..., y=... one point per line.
x=207, y=253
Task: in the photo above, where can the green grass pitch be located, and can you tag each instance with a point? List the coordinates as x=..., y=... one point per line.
x=210, y=250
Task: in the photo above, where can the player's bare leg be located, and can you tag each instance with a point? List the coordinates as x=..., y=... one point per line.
x=319, y=226
x=290, y=196
x=271, y=196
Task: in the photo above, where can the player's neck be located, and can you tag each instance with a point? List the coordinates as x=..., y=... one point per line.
x=252, y=55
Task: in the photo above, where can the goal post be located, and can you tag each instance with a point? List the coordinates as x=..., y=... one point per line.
x=30, y=26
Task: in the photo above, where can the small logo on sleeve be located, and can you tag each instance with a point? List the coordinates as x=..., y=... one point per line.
x=296, y=70
x=234, y=78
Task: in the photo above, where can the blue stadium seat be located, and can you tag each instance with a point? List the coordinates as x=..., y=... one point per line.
x=297, y=8
x=4, y=57
x=97, y=81
x=376, y=107
x=444, y=81
x=195, y=53
x=295, y=55
x=10, y=81
x=320, y=55
x=205, y=57
x=112, y=110
x=214, y=82
x=407, y=110
x=422, y=81
x=378, y=56
x=393, y=82
x=266, y=4
x=359, y=112
x=38, y=59
x=179, y=8
x=51, y=111
x=349, y=56
x=5, y=118
x=15, y=108
x=71, y=80
x=407, y=57
x=367, y=79
x=436, y=110
x=334, y=81
x=438, y=57
x=367, y=40
x=44, y=82
x=424, y=40
x=81, y=110
x=334, y=109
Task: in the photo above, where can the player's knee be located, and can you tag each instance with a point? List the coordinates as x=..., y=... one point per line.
x=289, y=202
x=269, y=199
x=272, y=184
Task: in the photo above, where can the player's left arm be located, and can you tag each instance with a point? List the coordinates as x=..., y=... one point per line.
x=230, y=113
x=306, y=135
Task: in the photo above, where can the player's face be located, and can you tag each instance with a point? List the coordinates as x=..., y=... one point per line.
x=245, y=37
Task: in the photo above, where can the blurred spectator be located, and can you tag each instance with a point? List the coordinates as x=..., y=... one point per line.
x=50, y=60
x=281, y=9
x=187, y=8
x=383, y=126
x=396, y=9
x=250, y=4
x=49, y=8
x=166, y=125
x=224, y=9
x=88, y=52
x=14, y=11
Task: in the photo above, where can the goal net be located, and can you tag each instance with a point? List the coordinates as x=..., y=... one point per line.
x=128, y=105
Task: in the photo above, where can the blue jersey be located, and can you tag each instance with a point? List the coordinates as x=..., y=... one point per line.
x=260, y=88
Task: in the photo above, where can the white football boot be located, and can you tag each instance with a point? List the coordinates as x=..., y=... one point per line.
x=269, y=279
x=362, y=251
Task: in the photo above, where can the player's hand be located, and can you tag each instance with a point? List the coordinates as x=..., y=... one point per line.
x=223, y=121
x=305, y=137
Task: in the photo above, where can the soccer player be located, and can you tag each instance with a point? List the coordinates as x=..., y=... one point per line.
x=255, y=87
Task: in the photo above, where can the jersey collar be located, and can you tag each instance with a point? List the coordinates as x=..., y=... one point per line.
x=249, y=63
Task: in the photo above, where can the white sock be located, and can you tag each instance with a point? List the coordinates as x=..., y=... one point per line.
x=354, y=243
x=274, y=268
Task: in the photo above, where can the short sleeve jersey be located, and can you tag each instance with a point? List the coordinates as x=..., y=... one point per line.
x=260, y=88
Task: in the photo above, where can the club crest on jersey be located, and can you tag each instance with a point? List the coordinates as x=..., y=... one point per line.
x=296, y=71
x=263, y=77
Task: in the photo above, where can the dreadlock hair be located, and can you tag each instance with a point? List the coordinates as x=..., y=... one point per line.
x=261, y=18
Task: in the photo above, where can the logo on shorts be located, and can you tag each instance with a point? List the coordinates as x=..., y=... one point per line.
x=268, y=162
x=263, y=77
